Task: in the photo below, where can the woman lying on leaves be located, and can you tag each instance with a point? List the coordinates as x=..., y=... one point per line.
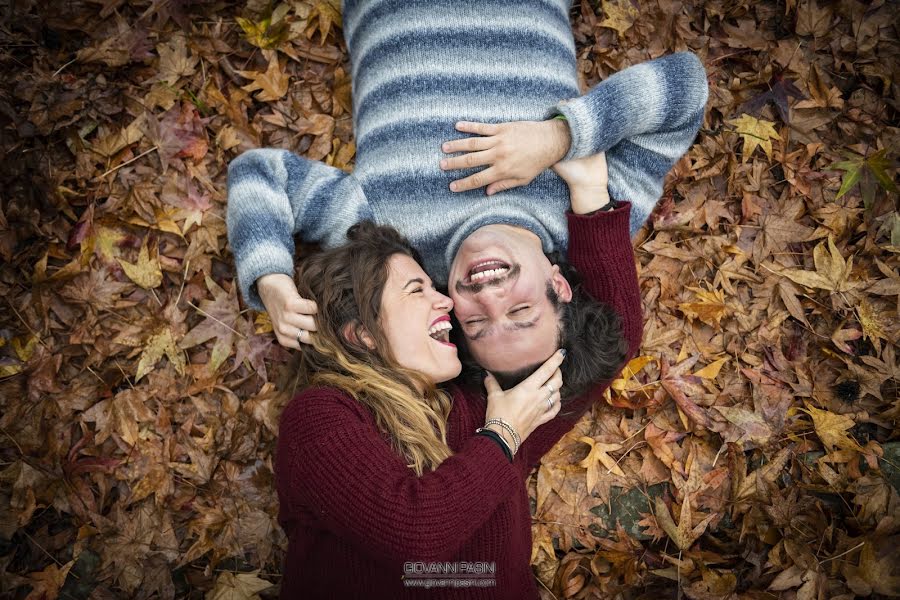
x=383, y=467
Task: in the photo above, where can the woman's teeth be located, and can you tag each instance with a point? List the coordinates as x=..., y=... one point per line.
x=440, y=331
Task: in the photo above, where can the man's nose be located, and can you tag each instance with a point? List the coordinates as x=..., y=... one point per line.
x=490, y=298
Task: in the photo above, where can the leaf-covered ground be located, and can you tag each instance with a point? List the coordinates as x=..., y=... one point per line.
x=746, y=454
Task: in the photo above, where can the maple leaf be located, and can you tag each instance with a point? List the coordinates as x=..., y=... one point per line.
x=237, y=586
x=221, y=316
x=174, y=62
x=619, y=16
x=832, y=429
x=323, y=15
x=145, y=272
x=159, y=344
x=273, y=83
x=45, y=584
x=752, y=426
x=877, y=570
x=831, y=273
x=598, y=455
x=779, y=90
x=121, y=415
x=685, y=533
x=710, y=309
x=856, y=167
x=270, y=31
x=755, y=133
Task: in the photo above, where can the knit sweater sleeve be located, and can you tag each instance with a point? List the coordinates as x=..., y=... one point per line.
x=274, y=195
x=333, y=462
x=600, y=249
x=645, y=118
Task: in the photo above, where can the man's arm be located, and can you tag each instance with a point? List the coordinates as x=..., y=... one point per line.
x=274, y=195
x=644, y=117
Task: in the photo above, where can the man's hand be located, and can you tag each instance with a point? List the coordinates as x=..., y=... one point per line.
x=515, y=152
x=587, y=179
x=288, y=311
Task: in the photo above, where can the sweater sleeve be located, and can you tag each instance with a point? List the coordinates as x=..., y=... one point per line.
x=645, y=118
x=600, y=249
x=274, y=195
x=334, y=463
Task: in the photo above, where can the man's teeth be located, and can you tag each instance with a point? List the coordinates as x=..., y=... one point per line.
x=438, y=330
x=490, y=273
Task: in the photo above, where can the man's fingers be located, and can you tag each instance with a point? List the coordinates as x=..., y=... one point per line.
x=503, y=185
x=472, y=159
x=470, y=144
x=479, y=128
x=473, y=182
x=545, y=371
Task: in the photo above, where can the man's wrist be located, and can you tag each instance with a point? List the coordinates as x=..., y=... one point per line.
x=560, y=139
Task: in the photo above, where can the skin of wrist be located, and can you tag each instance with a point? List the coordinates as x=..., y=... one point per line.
x=560, y=137
x=503, y=433
x=586, y=201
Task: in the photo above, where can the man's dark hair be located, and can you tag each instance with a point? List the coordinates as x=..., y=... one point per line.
x=589, y=330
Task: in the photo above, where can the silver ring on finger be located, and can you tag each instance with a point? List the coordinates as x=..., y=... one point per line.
x=300, y=333
x=550, y=402
x=550, y=388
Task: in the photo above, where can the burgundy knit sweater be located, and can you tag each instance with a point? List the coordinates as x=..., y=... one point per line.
x=354, y=513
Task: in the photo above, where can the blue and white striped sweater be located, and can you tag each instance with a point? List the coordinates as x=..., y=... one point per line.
x=417, y=69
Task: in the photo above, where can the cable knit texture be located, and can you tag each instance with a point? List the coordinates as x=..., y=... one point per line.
x=418, y=67
x=354, y=512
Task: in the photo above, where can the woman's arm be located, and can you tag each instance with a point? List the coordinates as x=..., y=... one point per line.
x=600, y=249
x=274, y=195
x=334, y=462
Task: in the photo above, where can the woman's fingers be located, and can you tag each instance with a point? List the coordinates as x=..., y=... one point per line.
x=491, y=385
x=545, y=371
x=472, y=159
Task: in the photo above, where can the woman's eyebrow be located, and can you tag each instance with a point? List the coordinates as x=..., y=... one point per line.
x=416, y=280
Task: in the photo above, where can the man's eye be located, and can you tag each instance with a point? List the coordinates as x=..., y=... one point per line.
x=518, y=310
x=474, y=321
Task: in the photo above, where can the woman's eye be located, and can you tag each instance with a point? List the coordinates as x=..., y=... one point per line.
x=418, y=291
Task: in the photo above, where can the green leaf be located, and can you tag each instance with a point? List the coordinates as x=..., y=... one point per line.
x=879, y=163
x=856, y=166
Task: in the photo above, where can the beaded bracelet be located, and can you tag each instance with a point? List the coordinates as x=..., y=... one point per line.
x=498, y=439
x=509, y=429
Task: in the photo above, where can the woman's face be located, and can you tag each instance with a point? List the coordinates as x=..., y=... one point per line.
x=416, y=321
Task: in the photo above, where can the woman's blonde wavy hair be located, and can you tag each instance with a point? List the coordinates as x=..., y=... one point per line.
x=347, y=284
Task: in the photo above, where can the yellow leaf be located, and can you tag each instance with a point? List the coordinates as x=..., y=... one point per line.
x=263, y=323
x=832, y=271
x=710, y=309
x=711, y=371
x=145, y=272
x=619, y=16
x=634, y=366
x=273, y=84
x=755, y=133
x=598, y=454
x=156, y=346
x=237, y=586
x=872, y=322
x=832, y=429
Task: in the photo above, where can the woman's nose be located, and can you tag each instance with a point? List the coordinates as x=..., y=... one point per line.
x=443, y=302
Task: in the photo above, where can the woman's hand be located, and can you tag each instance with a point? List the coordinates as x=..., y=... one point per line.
x=514, y=153
x=525, y=407
x=588, y=180
x=288, y=311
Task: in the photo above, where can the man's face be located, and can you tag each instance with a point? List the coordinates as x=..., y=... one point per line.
x=498, y=282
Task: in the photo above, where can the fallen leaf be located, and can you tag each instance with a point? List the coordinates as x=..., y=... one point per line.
x=755, y=133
